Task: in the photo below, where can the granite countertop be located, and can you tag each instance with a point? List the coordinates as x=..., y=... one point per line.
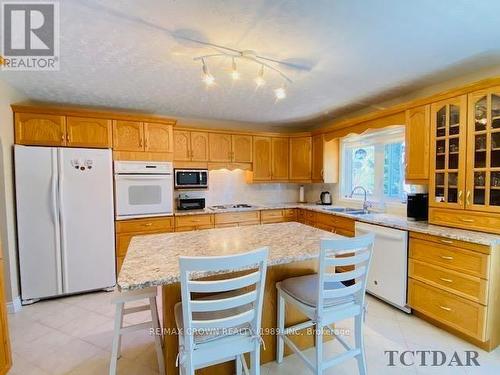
x=387, y=220
x=153, y=260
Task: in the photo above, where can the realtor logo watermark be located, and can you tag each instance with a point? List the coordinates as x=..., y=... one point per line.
x=30, y=35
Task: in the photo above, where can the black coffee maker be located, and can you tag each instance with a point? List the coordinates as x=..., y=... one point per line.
x=417, y=207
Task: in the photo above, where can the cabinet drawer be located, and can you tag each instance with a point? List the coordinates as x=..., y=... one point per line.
x=469, y=262
x=194, y=220
x=271, y=214
x=164, y=224
x=461, y=314
x=481, y=221
x=336, y=221
x=450, y=242
x=290, y=213
x=470, y=287
x=237, y=217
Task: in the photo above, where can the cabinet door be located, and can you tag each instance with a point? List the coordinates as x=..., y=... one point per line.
x=242, y=148
x=300, y=158
x=417, y=144
x=317, y=159
x=262, y=158
x=40, y=130
x=128, y=135
x=448, y=151
x=219, y=147
x=5, y=353
x=280, y=155
x=182, y=145
x=483, y=151
x=158, y=137
x=88, y=132
x=199, y=146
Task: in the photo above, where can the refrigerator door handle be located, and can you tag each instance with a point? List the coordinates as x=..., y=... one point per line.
x=55, y=216
x=60, y=189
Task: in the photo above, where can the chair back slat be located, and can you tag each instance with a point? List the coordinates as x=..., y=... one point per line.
x=216, y=286
x=224, y=323
x=345, y=276
x=223, y=304
x=242, y=305
x=349, y=252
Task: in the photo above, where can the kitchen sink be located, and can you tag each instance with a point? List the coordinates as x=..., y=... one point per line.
x=347, y=210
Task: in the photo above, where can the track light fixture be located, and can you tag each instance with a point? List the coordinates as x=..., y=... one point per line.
x=249, y=56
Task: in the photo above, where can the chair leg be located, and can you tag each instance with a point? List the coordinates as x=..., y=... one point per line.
x=359, y=341
x=319, y=348
x=255, y=360
x=158, y=338
x=281, y=328
x=115, y=351
x=239, y=366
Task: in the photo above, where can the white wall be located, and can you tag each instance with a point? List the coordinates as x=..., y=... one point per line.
x=7, y=199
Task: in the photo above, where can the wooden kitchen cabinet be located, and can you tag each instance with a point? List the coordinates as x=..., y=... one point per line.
x=417, y=151
x=127, y=229
x=158, y=137
x=219, y=147
x=190, y=146
x=89, y=132
x=278, y=216
x=317, y=158
x=40, y=129
x=234, y=219
x=279, y=158
x=262, y=159
x=128, y=136
x=242, y=148
x=194, y=222
x=300, y=158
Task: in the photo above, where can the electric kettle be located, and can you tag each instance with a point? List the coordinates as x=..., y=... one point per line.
x=326, y=198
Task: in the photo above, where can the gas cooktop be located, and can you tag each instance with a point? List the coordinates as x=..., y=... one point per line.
x=231, y=206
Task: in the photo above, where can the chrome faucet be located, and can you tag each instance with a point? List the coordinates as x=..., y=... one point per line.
x=366, y=205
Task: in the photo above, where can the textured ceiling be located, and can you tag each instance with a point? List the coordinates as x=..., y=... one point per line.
x=138, y=54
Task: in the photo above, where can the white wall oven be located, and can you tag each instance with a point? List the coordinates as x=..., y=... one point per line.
x=143, y=189
x=191, y=178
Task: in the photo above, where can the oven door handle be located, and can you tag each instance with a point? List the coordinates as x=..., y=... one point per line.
x=142, y=177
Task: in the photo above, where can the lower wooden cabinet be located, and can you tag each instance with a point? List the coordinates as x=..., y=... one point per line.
x=465, y=219
x=127, y=229
x=454, y=284
x=193, y=222
x=234, y=219
x=5, y=352
x=278, y=216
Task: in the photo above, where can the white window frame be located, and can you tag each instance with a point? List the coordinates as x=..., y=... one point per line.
x=379, y=138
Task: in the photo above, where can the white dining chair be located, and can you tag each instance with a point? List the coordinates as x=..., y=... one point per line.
x=325, y=299
x=224, y=324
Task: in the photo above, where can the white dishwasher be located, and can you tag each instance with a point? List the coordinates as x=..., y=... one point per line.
x=388, y=274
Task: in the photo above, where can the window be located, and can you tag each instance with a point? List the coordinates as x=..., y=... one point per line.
x=376, y=162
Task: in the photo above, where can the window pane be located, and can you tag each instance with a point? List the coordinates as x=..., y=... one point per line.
x=363, y=169
x=393, y=169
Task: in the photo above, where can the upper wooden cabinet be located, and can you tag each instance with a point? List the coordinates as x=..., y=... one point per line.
x=317, y=158
x=40, y=129
x=190, y=146
x=417, y=144
x=242, y=148
x=448, y=152
x=300, y=158
x=128, y=135
x=262, y=165
x=219, y=147
x=483, y=151
x=158, y=137
x=88, y=132
x=280, y=158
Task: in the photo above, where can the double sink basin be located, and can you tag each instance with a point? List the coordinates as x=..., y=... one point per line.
x=347, y=210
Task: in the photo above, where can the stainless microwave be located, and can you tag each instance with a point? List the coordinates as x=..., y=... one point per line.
x=191, y=178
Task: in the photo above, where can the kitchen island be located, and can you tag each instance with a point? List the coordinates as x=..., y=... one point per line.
x=153, y=261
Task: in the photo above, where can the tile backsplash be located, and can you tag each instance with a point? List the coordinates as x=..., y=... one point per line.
x=226, y=187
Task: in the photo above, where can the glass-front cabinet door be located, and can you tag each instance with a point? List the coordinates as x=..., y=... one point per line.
x=448, y=151
x=483, y=151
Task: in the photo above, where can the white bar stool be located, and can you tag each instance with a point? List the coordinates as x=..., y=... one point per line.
x=324, y=299
x=221, y=327
x=120, y=299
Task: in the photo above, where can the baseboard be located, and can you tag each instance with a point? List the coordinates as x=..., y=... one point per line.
x=14, y=306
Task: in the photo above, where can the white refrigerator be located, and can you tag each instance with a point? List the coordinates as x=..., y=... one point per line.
x=65, y=220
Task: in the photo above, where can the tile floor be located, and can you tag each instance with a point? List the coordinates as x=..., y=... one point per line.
x=73, y=336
